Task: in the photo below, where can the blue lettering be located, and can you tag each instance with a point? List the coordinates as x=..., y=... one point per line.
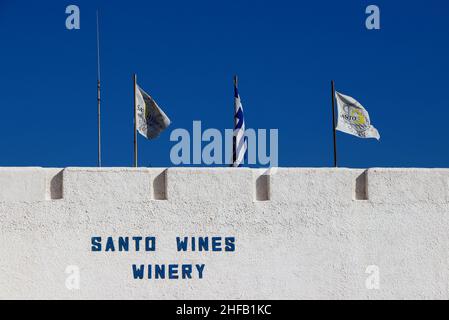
x=150, y=244
x=200, y=268
x=216, y=244
x=182, y=244
x=187, y=271
x=159, y=271
x=230, y=244
x=137, y=241
x=203, y=244
x=110, y=245
x=138, y=272
x=96, y=244
x=173, y=271
x=123, y=244
x=193, y=244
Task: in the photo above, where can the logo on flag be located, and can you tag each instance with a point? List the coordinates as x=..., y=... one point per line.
x=151, y=120
x=353, y=118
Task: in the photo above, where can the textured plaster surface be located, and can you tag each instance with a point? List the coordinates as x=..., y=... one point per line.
x=312, y=237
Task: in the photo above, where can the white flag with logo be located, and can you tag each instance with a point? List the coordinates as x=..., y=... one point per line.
x=353, y=118
x=151, y=120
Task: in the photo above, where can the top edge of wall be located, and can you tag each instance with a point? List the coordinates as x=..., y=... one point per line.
x=215, y=184
x=204, y=169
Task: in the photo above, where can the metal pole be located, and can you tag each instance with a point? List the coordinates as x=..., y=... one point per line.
x=333, y=124
x=135, y=121
x=234, y=138
x=98, y=93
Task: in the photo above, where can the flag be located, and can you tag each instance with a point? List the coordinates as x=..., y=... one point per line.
x=151, y=120
x=240, y=142
x=353, y=118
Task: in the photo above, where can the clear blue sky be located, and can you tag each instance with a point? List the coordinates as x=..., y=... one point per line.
x=185, y=54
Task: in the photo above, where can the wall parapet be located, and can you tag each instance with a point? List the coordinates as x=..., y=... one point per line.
x=300, y=233
x=286, y=185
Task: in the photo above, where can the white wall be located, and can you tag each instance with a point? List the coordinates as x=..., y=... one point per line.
x=300, y=233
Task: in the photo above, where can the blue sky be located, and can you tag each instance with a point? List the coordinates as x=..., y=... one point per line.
x=185, y=54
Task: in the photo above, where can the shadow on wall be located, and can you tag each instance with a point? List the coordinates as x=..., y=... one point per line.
x=361, y=186
x=160, y=186
x=56, y=186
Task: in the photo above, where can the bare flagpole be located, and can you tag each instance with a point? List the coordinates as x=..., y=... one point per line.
x=98, y=93
x=135, y=121
x=333, y=124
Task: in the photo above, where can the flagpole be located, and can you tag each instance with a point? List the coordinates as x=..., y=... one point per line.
x=98, y=93
x=333, y=124
x=234, y=138
x=135, y=121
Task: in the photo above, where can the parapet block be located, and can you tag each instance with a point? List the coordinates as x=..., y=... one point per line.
x=283, y=185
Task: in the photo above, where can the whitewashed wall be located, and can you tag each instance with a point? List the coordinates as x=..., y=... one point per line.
x=300, y=233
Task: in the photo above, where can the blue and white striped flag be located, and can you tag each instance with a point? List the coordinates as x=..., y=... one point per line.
x=240, y=143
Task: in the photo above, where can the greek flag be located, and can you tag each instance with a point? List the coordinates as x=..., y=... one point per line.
x=240, y=143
